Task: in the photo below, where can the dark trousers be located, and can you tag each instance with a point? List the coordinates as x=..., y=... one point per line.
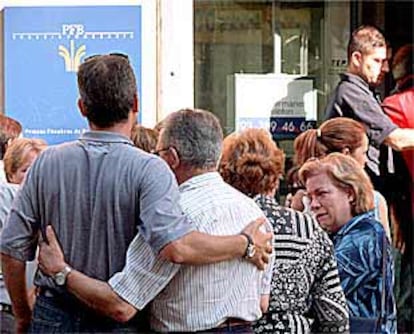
x=67, y=315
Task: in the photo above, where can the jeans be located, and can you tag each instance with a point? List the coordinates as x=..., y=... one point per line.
x=67, y=315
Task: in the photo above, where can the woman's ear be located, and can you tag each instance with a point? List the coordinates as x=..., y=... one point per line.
x=351, y=195
x=346, y=151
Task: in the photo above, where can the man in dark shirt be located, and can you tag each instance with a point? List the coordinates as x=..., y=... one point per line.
x=353, y=97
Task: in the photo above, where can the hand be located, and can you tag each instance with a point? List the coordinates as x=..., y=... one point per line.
x=51, y=259
x=299, y=201
x=262, y=242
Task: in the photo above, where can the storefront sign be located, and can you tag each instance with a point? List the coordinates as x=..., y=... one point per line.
x=44, y=47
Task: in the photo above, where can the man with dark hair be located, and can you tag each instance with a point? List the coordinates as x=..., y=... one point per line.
x=354, y=97
x=98, y=192
x=187, y=298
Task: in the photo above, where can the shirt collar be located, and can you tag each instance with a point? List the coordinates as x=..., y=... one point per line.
x=105, y=137
x=352, y=223
x=200, y=181
x=357, y=80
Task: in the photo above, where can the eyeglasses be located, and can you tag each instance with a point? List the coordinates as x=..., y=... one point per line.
x=116, y=54
x=157, y=152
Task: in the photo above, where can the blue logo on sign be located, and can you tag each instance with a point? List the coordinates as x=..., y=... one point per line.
x=44, y=47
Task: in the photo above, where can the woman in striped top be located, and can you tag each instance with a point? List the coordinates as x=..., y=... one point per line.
x=306, y=295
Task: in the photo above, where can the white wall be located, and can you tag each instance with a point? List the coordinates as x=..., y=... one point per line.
x=177, y=60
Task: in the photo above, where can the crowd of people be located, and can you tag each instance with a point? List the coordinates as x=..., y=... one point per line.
x=177, y=229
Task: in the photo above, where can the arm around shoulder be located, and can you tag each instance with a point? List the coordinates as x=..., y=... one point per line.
x=196, y=248
x=200, y=248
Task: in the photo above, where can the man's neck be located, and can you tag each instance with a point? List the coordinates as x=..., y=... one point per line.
x=123, y=128
x=184, y=174
x=354, y=71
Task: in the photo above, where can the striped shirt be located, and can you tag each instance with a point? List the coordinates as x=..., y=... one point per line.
x=306, y=294
x=193, y=298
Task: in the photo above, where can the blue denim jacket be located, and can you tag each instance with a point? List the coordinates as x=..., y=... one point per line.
x=358, y=249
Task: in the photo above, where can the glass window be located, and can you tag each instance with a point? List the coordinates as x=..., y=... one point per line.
x=253, y=37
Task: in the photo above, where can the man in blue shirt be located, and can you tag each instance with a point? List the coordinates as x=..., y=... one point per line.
x=98, y=192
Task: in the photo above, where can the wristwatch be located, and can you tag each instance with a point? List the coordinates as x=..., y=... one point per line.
x=251, y=248
x=60, y=277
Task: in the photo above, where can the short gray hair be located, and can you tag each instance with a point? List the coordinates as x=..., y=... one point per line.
x=196, y=135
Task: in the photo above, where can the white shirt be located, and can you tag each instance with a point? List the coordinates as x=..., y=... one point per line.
x=2, y=172
x=197, y=297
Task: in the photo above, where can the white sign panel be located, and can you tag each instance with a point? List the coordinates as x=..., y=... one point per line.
x=273, y=100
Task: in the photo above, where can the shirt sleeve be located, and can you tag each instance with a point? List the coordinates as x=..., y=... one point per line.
x=329, y=298
x=368, y=111
x=7, y=194
x=143, y=276
x=20, y=233
x=160, y=213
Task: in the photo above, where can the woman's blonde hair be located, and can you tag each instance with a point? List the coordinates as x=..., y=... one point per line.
x=345, y=173
x=144, y=138
x=16, y=153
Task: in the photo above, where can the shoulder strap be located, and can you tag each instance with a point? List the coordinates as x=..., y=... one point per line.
x=384, y=269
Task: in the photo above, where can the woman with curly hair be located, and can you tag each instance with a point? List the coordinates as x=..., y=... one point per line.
x=305, y=291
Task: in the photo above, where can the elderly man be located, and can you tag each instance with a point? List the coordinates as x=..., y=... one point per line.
x=367, y=63
x=98, y=192
x=223, y=296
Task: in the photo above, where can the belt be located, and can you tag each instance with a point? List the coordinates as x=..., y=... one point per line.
x=233, y=322
x=6, y=308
